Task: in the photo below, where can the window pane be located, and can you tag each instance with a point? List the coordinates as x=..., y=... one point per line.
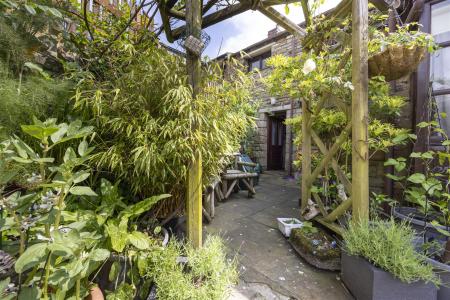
x=440, y=69
x=263, y=63
x=254, y=64
x=440, y=16
x=274, y=133
x=443, y=106
x=280, y=134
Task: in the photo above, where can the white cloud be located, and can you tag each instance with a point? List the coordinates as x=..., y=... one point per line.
x=252, y=26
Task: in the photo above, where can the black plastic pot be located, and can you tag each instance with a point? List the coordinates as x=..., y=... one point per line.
x=441, y=270
x=417, y=220
x=367, y=282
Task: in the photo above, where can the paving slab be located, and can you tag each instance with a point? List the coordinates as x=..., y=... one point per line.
x=269, y=267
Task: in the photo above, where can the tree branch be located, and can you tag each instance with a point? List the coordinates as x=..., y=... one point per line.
x=86, y=21
x=132, y=17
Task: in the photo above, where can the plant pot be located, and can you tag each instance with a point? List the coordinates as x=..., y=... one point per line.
x=395, y=62
x=319, y=249
x=95, y=294
x=441, y=270
x=367, y=282
x=417, y=221
x=285, y=226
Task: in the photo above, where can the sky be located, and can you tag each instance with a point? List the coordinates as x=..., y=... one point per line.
x=247, y=28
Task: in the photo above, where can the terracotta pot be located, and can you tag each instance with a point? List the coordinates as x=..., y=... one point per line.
x=95, y=294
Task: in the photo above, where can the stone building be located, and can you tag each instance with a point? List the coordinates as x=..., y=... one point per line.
x=272, y=144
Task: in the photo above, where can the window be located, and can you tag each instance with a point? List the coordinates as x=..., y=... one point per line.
x=440, y=62
x=258, y=62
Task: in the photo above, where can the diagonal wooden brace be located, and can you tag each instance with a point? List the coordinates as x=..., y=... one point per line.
x=333, y=150
x=340, y=174
x=339, y=211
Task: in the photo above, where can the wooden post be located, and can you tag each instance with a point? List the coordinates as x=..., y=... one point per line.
x=360, y=152
x=306, y=155
x=194, y=188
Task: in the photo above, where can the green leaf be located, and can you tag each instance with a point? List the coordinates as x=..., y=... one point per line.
x=23, y=149
x=416, y=154
x=44, y=160
x=423, y=124
x=394, y=177
x=69, y=155
x=99, y=254
x=286, y=9
x=436, y=226
x=80, y=176
x=117, y=234
x=37, y=68
x=32, y=256
x=417, y=178
x=60, y=249
x=114, y=271
x=82, y=191
x=391, y=162
x=428, y=155
x=55, y=12
x=139, y=240
x=30, y=9
x=82, y=147
x=21, y=160
x=57, y=136
x=142, y=264
x=30, y=293
x=4, y=284
x=143, y=206
x=39, y=132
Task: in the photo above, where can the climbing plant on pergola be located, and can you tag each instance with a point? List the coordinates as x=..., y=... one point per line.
x=195, y=14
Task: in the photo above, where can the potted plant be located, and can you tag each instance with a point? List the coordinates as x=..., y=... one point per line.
x=379, y=262
x=285, y=225
x=316, y=246
x=397, y=54
x=182, y=272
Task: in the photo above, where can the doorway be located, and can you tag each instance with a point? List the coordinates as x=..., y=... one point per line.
x=276, y=140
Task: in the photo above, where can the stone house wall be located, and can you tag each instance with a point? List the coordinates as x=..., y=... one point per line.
x=290, y=46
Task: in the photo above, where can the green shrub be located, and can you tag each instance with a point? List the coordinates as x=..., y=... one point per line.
x=31, y=96
x=389, y=246
x=144, y=115
x=207, y=275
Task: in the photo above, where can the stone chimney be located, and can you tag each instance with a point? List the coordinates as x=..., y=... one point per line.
x=273, y=32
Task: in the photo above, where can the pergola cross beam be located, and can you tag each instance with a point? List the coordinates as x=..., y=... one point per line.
x=230, y=11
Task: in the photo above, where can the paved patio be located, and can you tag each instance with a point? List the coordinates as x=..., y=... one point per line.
x=269, y=267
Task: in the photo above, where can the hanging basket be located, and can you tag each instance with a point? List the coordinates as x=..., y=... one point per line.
x=395, y=62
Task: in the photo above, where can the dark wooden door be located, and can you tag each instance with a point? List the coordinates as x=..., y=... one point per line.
x=275, y=143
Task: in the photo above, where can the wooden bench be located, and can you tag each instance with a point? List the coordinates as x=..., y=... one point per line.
x=231, y=177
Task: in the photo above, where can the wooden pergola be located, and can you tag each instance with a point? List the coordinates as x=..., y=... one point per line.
x=195, y=14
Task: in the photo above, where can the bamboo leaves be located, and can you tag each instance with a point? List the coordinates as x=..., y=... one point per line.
x=144, y=117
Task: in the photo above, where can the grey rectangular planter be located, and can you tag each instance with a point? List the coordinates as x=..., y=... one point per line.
x=367, y=282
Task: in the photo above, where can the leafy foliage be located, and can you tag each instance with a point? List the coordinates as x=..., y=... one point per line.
x=27, y=31
x=404, y=35
x=389, y=246
x=207, y=275
x=144, y=114
x=65, y=246
x=428, y=190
